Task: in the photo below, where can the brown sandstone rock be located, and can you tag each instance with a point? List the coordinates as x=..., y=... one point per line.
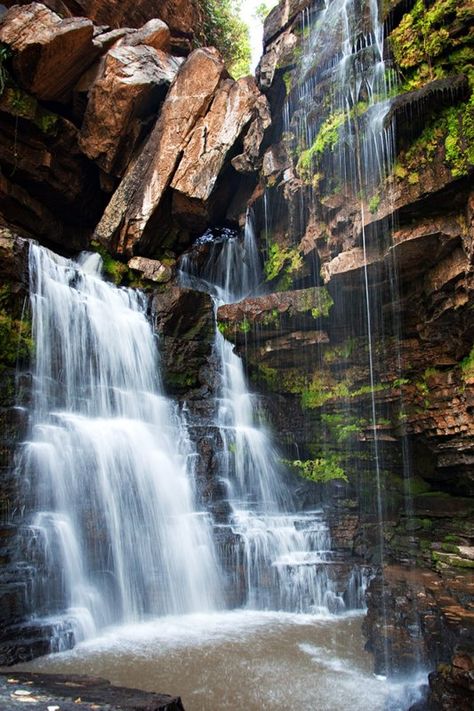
x=130, y=88
x=155, y=33
x=235, y=105
x=49, y=54
x=151, y=269
x=126, y=223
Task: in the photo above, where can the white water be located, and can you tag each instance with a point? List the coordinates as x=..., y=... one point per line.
x=108, y=458
x=285, y=554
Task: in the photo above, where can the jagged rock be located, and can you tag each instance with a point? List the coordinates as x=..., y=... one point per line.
x=275, y=160
x=151, y=269
x=278, y=54
x=250, y=160
x=129, y=89
x=49, y=54
x=234, y=106
x=282, y=14
x=127, y=222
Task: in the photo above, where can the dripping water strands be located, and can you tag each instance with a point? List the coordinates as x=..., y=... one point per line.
x=338, y=117
x=285, y=555
x=109, y=459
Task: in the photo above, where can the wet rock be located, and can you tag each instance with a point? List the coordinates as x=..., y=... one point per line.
x=452, y=686
x=410, y=110
x=49, y=54
x=79, y=693
x=281, y=15
x=185, y=321
x=234, y=107
x=127, y=92
x=127, y=222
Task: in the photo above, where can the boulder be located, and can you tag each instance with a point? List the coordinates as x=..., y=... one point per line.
x=234, y=106
x=128, y=90
x=155, y=33
x=250, y=159
x=151, y=269
x=49, y=54
x=127, y=221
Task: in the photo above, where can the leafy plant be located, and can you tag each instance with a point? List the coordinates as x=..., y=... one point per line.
x=321, y=469
x=224, y=29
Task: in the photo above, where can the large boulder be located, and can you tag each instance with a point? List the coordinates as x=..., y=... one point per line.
x=49, y=54
x=127, y=222
x=128, y=90
x=235, y=106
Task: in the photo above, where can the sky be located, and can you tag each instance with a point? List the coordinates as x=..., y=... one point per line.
x=256, y=29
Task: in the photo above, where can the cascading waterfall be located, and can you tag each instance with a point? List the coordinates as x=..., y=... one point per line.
x=108, y=458
x=286, y=556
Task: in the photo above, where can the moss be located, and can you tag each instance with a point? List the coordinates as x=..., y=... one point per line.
x=115, y=271
x=453, y=128
x=335, y=354
x=19, y=103
x=321, y=470
x=467, y=366
x=282, y=262
x=374, y=204
x=16, y=342
x=434, y=42
x=327, y=138
x=244, y=326
x=269, y=375
x=324, y=305
x=342, y=427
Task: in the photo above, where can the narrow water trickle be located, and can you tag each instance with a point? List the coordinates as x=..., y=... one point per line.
x=108, y=458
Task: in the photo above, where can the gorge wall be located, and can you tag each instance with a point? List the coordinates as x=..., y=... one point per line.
x=118, y=136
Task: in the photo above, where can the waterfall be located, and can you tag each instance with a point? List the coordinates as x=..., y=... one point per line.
x=285, y=555
x=109, y=458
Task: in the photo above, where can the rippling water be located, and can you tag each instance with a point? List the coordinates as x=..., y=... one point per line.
x=242, y=660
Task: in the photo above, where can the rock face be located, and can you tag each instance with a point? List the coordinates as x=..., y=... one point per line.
x=182, y=16
x=49, y=54
x=129, y=89
x=234, y=107
x=128, y=217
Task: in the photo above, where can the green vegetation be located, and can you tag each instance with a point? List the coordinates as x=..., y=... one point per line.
x=16, y=343
x=223, y=28
x=374, y=204
x=321, y=469
x=467, y=366
x=5, y=54
x=342, y=352
x=327, y=138
x=20, y=103
x=453, y=128
x=342, y=427
x=282, y=262
x=324, y=305
x=262, y=10
x=434, y=42
x=115, y=271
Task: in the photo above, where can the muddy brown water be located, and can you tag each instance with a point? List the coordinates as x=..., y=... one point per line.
x=241, y=660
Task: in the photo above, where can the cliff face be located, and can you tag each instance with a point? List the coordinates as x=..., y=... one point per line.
x=399, y=253
x=122, y=139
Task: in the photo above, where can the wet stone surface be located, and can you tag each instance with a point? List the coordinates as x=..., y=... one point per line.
x=77, y=693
